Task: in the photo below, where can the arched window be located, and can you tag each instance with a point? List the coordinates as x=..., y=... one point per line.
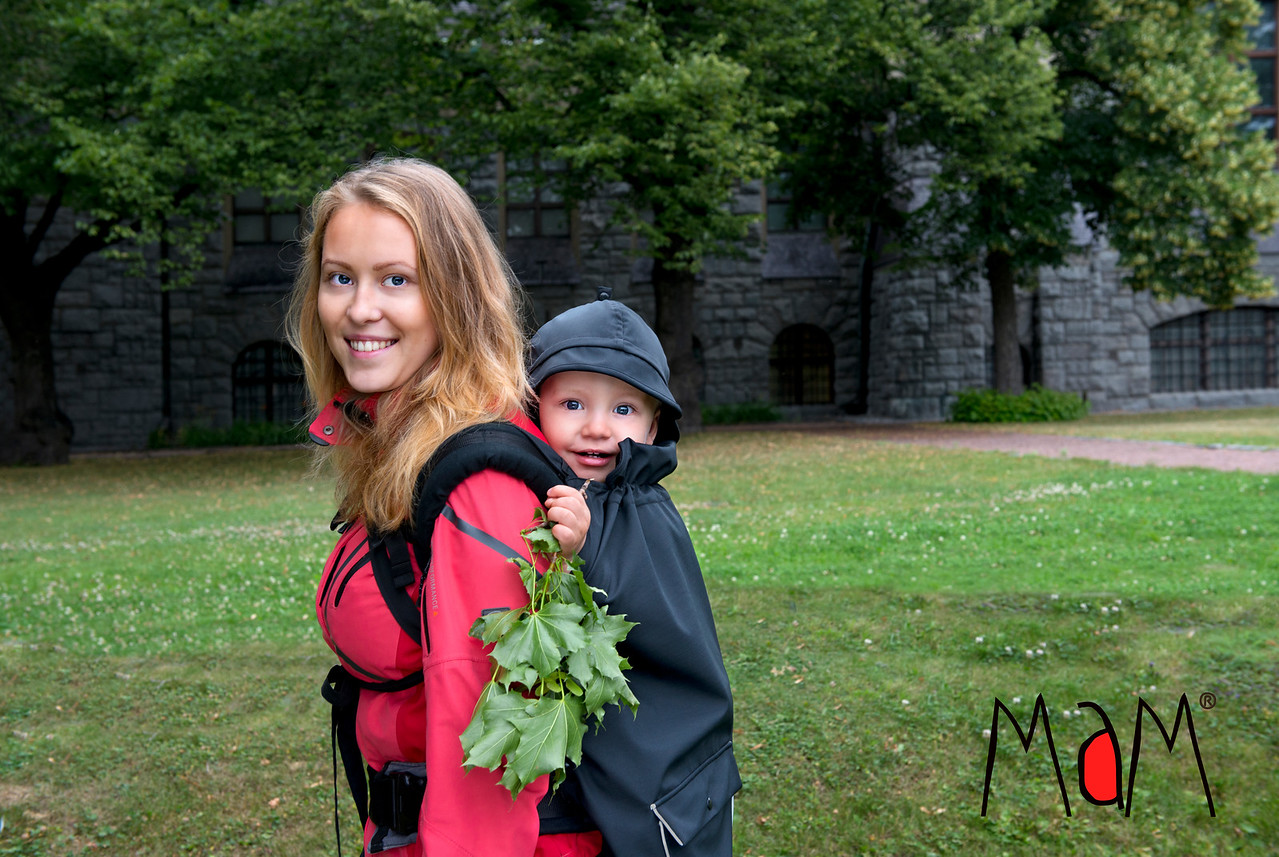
x=1215, y=350
x=267, y=384
x=801, y=367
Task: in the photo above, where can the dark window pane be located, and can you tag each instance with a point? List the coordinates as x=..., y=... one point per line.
x=1237, y=356
x=802, y=367
x=555, y=221
x=267, y=384
x=1261, y=122
x=284, y=226
x=1262, y=36
x=1264, y=69
x=1216, y=350
x=250, y=229
x=519, y=222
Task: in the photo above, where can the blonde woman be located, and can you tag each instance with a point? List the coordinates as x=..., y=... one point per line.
x=405, y=316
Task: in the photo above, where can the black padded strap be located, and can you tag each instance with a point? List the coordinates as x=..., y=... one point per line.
x=489, y=446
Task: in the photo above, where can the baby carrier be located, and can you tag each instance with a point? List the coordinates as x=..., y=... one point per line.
x=392, y=797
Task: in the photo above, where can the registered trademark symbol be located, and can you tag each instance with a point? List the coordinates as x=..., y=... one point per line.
x=1207, y=700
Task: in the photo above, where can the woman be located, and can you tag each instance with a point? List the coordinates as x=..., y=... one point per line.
x=406, y=320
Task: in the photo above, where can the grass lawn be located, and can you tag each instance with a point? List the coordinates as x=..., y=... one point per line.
x=162, y=662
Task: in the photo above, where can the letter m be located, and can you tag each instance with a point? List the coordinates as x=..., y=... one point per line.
x=1024, y=738
x=1183, y=707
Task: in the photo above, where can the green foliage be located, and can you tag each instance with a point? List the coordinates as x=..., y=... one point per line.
x=134, y=120
x=740, y=412
x=556, y=668
x=240, y=433
x=661, y=116
x=1036, y=404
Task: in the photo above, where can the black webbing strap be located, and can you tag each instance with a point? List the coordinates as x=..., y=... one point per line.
x=393, y=571
x=342, y=691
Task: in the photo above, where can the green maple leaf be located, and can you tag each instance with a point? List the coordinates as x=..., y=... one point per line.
x=555, y=665
x=608, y=691
x=540, y=639
x=541, y=540
x=491, y=627
x=492, y=732
x=550, y=733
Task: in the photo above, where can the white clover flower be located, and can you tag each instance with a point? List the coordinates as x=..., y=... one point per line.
x=980, y=639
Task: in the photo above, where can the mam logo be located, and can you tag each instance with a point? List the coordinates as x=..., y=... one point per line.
x=1100, y=765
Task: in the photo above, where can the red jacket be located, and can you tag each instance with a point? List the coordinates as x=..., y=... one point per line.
x=464, y=812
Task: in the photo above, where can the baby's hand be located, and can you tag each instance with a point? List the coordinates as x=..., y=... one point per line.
x=566, y=510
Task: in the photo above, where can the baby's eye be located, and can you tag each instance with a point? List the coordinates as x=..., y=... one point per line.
x=339, y=279
x=395, y=280
x=624, y=410
x=572, y=404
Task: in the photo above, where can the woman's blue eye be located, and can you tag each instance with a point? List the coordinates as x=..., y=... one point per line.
x=340, y=279
x=395, y=280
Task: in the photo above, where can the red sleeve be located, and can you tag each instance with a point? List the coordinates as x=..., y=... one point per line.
x=469, y=812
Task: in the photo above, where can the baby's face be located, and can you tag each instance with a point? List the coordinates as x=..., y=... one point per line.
x=585, y=415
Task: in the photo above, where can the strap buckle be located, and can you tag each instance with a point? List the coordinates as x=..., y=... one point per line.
x=395, y=795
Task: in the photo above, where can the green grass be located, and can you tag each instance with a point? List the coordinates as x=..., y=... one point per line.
x=1242, y=427
x=162, y=661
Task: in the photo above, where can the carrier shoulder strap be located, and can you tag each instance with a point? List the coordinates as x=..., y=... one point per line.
x=489, y=446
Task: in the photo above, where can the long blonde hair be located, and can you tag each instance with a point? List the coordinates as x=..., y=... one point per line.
x=473, y=300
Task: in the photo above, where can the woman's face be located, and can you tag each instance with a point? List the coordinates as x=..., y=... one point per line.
x=371, y=305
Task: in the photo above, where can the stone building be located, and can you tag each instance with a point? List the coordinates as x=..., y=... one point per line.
x=778, y=324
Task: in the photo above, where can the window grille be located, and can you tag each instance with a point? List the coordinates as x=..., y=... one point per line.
x=802, y=367
x=267, y=385
x=1215, y=350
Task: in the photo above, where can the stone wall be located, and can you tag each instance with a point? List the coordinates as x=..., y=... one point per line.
x=1083, y=330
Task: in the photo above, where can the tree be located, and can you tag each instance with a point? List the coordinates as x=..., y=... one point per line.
x=996, y=205
x=136, y=118
x=1032, y=113
x=652, y=101
x=874, y=93
x=1156, y=93
x=961, y=86
x=1149, y=97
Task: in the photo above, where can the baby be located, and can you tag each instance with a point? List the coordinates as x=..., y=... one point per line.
x=668, y=773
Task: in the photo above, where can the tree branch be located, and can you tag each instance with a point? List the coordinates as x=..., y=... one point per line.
x=46, y=218
x=53, y=270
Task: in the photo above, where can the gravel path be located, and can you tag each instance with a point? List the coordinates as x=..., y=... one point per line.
x=1128, y=452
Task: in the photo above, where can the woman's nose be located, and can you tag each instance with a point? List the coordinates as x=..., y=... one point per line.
x=364, y=306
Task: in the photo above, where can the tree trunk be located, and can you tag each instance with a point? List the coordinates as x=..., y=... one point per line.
x=42, y=433
x=1003, y=305
x=673, y=291
x=865, y=306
